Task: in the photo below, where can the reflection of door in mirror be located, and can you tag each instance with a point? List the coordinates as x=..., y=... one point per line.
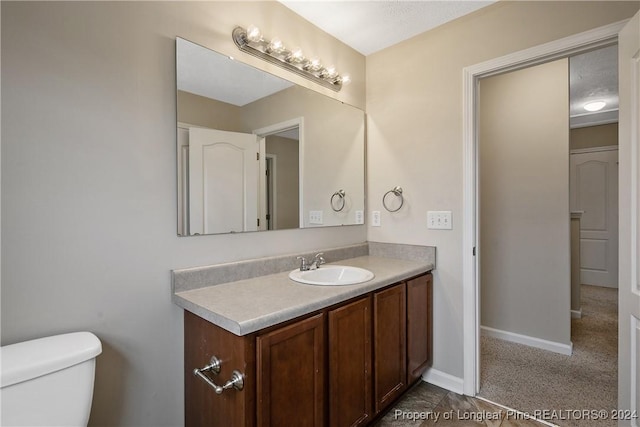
x=282, y=159
x=222, y=181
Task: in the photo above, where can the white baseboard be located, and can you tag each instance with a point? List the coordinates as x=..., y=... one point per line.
x=576, y=314
x=556, y=347
x=444, y=380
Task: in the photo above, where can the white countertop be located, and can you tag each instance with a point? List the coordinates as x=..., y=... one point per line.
x=246, y=306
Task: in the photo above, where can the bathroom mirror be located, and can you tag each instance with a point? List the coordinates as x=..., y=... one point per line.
x=256, y=152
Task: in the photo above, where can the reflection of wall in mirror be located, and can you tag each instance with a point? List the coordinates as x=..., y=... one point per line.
x=333, y=148
x=206, y=112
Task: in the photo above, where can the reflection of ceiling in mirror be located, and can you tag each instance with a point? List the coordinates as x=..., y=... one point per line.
x=196, y=65
x=293, y=133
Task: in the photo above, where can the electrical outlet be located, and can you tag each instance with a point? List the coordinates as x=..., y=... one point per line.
x=359, y=217
x=439, y=220
x=375, y=218
x=315, y=217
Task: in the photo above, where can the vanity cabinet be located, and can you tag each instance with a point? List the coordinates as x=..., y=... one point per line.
x=341, y=366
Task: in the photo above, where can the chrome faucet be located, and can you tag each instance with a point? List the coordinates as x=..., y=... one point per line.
x=303, y=263
x=318, y=260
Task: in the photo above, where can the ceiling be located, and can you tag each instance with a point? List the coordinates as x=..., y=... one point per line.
x=370, y=26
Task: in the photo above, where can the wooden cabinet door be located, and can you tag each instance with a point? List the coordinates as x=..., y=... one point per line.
x=389, y=337
x=350, y=398
x=419, y=329
x=291, y=370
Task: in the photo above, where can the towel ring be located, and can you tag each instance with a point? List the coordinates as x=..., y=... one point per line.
x=340, y=194
x=398, y=193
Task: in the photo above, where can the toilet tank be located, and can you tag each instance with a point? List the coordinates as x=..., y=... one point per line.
x=48, y=381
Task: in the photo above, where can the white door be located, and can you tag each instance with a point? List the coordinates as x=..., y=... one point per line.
x=223, y=181
x=629, y=249
x=594, y=191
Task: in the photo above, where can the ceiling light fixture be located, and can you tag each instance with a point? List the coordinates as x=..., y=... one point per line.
x=274, y=51
x=594, y=105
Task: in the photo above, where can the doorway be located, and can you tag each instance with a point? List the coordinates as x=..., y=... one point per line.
x=562, y=48
x=281, y=166
x=524, y=248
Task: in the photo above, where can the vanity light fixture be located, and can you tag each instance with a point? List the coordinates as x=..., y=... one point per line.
x=594, y=105
x=274, y=51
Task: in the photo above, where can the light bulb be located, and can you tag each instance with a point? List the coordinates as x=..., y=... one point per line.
x=331, y=72
x=345, y=80
x=314, y=64
x=295, y=56
x=254, y=34
x=276, y=45
x=594, y=106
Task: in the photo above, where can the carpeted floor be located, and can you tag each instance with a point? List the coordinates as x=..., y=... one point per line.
x=530, y=379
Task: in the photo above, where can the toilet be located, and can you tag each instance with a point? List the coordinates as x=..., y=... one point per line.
x=48, y=381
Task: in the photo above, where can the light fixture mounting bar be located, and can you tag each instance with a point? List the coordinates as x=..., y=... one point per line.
x=260, y=49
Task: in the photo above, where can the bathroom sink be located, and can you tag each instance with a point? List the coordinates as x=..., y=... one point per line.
x=332, y=275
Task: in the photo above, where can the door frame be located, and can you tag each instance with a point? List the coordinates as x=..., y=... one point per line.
x=272, y=190
x=562, y=48
x=277, y=128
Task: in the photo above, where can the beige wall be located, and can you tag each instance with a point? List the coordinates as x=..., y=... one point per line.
x=594, y=136
x=523, y=152
x=89, y=183
x=414, y=131
x=206, y=112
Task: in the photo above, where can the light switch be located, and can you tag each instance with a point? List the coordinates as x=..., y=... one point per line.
x=359, y=217
x=439, y=220
x=315, y=217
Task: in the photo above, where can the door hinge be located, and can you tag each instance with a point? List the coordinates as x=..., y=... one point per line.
x=257, y=156
x=258, y=222
x=474, y=251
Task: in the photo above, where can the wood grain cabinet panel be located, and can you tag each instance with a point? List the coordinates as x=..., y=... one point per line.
x=419, y=331
x=350, y=398
x=390, y=345
x=291, y=370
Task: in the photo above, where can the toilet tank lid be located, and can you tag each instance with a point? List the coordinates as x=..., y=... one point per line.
x=31, y=359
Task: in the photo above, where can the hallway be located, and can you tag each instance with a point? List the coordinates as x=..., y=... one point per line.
x=529, y=379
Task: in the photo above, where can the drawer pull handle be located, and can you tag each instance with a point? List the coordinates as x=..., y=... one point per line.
x=236, y=381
